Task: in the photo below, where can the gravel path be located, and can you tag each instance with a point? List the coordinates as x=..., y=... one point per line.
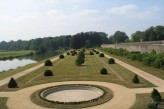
x=120, y=94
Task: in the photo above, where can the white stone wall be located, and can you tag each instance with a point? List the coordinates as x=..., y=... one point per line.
x=158, y=46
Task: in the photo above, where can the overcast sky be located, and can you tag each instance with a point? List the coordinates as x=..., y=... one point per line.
x=27, y=19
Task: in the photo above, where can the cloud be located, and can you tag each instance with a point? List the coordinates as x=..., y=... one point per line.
x=133, y=11
x=122, y=10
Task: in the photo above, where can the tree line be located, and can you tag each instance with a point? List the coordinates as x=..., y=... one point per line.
x=86, y=39
x=83, y=39
x=151, y=34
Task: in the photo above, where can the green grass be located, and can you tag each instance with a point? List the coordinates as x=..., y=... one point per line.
x=4, y=54
x=154, y=71
x=3, y=101
x=127, y=75
x=66, y=70
x=143, y=100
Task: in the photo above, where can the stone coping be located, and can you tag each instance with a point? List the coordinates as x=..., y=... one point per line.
x=98, y=92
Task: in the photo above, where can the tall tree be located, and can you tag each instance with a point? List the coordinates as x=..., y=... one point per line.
x=137, y=36
x=118, y=37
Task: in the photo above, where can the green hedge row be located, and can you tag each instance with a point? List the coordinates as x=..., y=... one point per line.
x=148, y=59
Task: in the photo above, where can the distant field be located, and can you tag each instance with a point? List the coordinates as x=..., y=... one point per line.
x=6, y=54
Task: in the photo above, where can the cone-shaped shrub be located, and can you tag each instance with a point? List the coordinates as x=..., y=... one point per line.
x=12, y=83
x=80, y=60
x=48, y=73
x=97, y=52
x=101, y=55
x=155, y=95
x=111, y=61
x=103, y=71
x=68, y=53
x=73, y=54
x=48, y=63
x=61, y=56
x=135, y=79
x=91, y=53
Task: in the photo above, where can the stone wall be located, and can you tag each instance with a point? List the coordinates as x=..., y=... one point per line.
x=158, y=46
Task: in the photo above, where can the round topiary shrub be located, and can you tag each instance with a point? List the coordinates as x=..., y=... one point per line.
x=61, y=56
x=103, y=71
x=91, y=53
x=48, y=63
x=97, y=52
x=101, y=55
x=48, y=73
x=68, y=53
x=12, y=83
x=135, y=79
x=73, y=54
x=111, y=61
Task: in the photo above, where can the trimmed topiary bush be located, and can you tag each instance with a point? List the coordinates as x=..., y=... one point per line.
x=111, y=61
x=155, y=95
x=97, y=52
x=48, y=63
x=73, y=54
x=91, y=53
x=68, y=53
x=12, y=83
x=103, y=71
x=48, y=73
x=101, y=55
x=135, y=79
x=61, y=56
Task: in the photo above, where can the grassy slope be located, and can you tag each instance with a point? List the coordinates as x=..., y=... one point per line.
x=14, y=53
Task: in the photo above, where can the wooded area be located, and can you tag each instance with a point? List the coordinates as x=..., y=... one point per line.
x=83, y=39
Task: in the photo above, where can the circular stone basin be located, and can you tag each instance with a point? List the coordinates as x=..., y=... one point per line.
x=72, y=93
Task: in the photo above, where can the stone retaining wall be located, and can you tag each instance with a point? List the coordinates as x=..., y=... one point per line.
x=158, y=46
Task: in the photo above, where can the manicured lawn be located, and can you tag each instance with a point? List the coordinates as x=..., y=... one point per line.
x=154, y=71
x=14, y=53
x=3, y=101
x=66, y=70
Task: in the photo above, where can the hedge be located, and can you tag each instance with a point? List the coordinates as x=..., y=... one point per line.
x=151, y=59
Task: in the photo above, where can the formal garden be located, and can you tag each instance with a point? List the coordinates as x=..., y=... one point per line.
x=82, y=65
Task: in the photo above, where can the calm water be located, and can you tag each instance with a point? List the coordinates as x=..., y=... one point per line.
x=13, y=64
x=18, y=62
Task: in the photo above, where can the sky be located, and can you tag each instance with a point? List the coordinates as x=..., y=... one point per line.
x=28, y=19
